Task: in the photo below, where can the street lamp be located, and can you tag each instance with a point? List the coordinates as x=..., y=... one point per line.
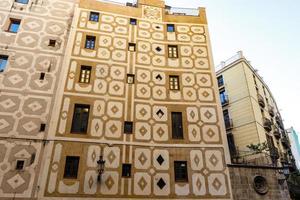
x=101, y=165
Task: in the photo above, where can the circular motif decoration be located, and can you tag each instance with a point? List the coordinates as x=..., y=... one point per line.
x=260, y=185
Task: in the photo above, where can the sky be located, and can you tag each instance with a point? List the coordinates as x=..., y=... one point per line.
x=268, y=33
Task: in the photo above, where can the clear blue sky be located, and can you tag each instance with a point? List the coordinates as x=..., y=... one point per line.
x=268, y=32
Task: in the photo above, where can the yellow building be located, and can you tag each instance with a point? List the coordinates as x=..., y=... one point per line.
x=139, y=92
x=250, y=112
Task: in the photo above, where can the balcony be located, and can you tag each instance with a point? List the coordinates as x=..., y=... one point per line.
x=261, y=101
x=276, y=133
x=267, y=124
x=285, y=141
x=228, y=123
x=279, y=121
x=271, y=111
x=274, y=153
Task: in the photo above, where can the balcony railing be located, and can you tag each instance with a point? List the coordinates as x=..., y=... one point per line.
x=279, y=121
x=267, y=124
x=271, y=111
x=261, y=101
x=181, y=11
x=228, y=123
x=285, y=141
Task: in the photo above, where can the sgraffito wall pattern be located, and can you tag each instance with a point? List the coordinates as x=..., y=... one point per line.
x=27, y=87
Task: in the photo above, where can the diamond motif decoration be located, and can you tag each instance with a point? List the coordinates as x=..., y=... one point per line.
x=111, y=157
x=213, y=160
x=113, y=128
x=16, y=181
x=192, y=114
x=158, y=49
x=143, y=112
x=161, y=183
x=8, y=103
x=142, y=183
x=15, y=79
x=55, y=28
x=208, y=115
x=205, y=94
x=143, y=75
x=160, y=113
x=210, y=133
x=200, y=51
x=27, y=39
x=109, y=182
x=142, y=158
x=32, y=24
x=116, y=87
x=30, y=126
x=34, y=106
x=160, y=132
x=216, y=184
x=203, y=80
x=143, y=131
x=91, y=182
x=189, y=93
x=160, y=160
x=194, y=132
x=197, y=159
x=21, y=60
x=94, y=155
x=201, y=62
x=117, y=72
x=188, y=79
x=159, y=92
x=3, y=123
x=114, y=109
x=143, y=90
x=198, y=184
x=158, y=77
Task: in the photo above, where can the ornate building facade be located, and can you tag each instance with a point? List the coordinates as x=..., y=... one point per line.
x=33, y=37
x=138, y=92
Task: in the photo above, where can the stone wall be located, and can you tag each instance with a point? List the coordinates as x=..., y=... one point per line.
x=242, y=183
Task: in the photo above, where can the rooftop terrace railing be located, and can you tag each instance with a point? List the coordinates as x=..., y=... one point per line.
x=230, y=60
x=181, y=11
x=131, y=4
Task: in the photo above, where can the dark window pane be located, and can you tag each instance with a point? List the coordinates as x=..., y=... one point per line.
x=42, y=127
x=3, y=62
x=22, y=1
x=174, y=82
x=131, y=47
x=90, y=42
x=80, y=118
x=126, y=170
x=94, y=16
x=223, y=97
x=71, y=167
x=177, y=129
x=20, y=164
x=133, y=21
x=220, y=81
x=231, y=144
x=14, y=25
x=172, y=51
x=85, y=74
x=170, y=28
x=180, y=171
x=128, y=127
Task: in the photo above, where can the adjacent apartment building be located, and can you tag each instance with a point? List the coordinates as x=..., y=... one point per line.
x=33, y=37
x=295, y=145
x=137, y=114
x=251, y=114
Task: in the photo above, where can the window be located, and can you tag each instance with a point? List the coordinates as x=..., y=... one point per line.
x=85, y=74
x=14, y=25
x=128, y=127
x=3, y=62
x=133, y=21
x=174, y=82
x=42, y=127
x=130, y=78
x=90, y=42
x=52, y=43
x=172, y=51
x=223, y=97
x=94, y=16
x=22, y=1
x=126, y=170
x=71, y=167
x=231, y=144
x=80, y=118
x=220, y=81
x=170, y=28
x=20, y=164
x=177, y=129
x=42, y=76
x=180, y=171
x=131, y=47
